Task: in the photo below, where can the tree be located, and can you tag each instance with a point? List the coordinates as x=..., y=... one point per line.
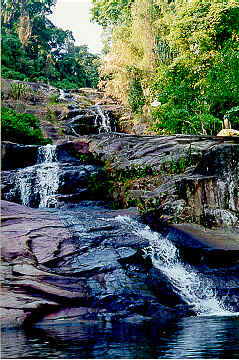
x=200, y=83
x=34, y=49
x=182, y=53
x=111, y=13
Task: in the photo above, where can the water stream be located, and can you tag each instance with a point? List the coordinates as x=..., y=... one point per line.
x=101, y=119
x=38, y=184
x=196, y=289
x=41, y=186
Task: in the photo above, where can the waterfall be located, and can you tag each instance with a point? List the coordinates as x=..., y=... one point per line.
x=38, y=184
x=196, y=289
x=46, y=154
x=47, y=179
x=24, y=184
x=102, y=120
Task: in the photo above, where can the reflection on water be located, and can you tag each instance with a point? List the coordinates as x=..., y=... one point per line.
x=195, y=337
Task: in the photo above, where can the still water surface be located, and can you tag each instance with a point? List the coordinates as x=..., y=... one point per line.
x=188, y=338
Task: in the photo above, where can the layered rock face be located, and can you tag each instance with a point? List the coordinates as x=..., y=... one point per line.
x=84, y=262
x=194, y=179
x=63, y=114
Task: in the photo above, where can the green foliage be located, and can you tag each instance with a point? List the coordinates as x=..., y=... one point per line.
x=108, y=13
x=233, y=116
x=200, y=84
x=136, y=97
x=53, y=99
x=179, y=165
x=21, y=128
x=101, y=184
x=65, y=84
x=178, y=120
x=51, y=116
x=33, y=49
x=12, y=74
x=184, y=54
x=19, y=91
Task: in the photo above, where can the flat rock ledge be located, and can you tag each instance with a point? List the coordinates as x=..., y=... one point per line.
x=49, y=275
x=57, y=266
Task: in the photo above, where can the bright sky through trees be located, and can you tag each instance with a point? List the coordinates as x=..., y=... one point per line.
x=75, y=15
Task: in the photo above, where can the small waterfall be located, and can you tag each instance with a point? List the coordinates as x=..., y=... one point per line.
x=25, y=184
x=102, y=120
x=38, y=184
x=47, y=179
x=46, y=154
x=196, y=289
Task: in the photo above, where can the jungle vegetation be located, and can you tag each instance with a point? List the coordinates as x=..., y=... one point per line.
x=33, y=49
x=174, y=63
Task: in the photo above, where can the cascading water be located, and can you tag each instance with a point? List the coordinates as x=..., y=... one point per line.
x=39, y=183
x=195, y=288
x=47, y=176
x=102, y=123
x=46, y=154
x=102, y=120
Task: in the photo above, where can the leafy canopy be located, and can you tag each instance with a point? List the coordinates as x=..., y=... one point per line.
x=44, y=52
x=182, y=54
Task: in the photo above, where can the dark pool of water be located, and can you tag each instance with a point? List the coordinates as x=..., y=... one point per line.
x=188, y=338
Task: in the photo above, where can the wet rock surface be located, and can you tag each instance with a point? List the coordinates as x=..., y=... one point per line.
x=63, y=114
x=83, y=261
x=24, y=185
x=86, y=262
x=17, y=156
x=53, y=263
x=194, y=179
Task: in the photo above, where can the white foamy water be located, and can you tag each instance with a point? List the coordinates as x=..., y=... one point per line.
x=40, y=181
x=196, y=289
x=24, y=184
x=47, y=179
x=102, y=120
x=46, y=154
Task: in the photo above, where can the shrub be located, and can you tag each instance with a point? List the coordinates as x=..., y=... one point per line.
x=177, y=120
x=20, y=91
x=21, y=128
x=65, y=84
x=12, y=74
x=40, y=79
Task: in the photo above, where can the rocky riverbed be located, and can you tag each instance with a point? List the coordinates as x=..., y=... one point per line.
x=89, y=263
x=75, y=244
x=83, y=261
